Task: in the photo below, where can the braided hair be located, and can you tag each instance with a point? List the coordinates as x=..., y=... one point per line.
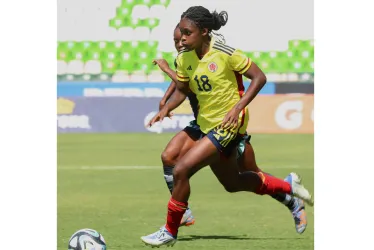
x=203, y=18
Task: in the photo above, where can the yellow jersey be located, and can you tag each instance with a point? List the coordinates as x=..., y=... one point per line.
x=217, y=81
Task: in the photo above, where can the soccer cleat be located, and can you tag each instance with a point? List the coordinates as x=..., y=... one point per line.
x=160, y=238
x=298, y=189
x=299, y=215
x=187, y=219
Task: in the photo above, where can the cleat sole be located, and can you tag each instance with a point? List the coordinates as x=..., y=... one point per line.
x=167, y=245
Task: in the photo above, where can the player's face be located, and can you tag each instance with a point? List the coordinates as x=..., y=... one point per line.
x=192, y=36
x=177, y=40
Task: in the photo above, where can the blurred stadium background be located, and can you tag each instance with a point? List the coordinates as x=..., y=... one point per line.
x=115, y=40
x=105, y=49
x=108, y=89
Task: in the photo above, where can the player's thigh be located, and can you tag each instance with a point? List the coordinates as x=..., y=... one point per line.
x=209, y=150
x=188, y=144
x=200, y=155
x=194, y=133
x=227, y=172
x=180, y=143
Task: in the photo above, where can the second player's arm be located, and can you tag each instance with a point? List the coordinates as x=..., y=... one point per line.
x=180, y=92
x=178, y=96
x=164, y=66
x=171, y=73
x=182, y=88
x=167, y=95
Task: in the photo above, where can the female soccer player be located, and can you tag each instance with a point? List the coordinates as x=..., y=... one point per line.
x=186, y=139
x=212, y=71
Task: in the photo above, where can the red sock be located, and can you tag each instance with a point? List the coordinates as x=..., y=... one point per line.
x=176, y=210
x=272, y=185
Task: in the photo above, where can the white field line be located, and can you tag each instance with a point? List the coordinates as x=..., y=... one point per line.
x=160, y=167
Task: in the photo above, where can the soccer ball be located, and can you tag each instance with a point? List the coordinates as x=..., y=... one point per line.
x=87, y=239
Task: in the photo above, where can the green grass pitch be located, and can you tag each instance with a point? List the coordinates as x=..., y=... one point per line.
x=126, y=203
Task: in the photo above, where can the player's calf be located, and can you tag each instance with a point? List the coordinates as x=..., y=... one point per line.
x=169, y=159
x=181, y=176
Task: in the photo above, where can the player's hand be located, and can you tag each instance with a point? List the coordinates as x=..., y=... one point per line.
x=231, y=120
x=162, y=64
x=159, y=117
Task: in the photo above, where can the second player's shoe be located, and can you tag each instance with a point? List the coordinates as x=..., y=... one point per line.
x=187, y=219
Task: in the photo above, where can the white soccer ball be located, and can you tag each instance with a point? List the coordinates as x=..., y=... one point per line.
x=87, y=239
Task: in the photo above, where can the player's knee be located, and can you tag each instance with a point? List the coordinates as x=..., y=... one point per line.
x=180, y=172
x=169, y=158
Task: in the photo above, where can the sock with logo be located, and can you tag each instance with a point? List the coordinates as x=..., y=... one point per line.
x=272, y=185
x=168, y=175
x=176, y=210
x=283, y=198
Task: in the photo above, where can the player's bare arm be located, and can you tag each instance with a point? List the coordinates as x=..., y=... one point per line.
x=258, y=81
x=167, y=95
x=177, y=98
x=164, y=66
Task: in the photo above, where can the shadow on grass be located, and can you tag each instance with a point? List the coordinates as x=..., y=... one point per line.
x=230, y=237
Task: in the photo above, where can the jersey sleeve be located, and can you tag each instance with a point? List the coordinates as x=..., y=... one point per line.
x=239, y=62
x=182, y=75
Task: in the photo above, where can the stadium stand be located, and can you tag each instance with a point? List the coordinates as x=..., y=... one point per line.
x=121, y=38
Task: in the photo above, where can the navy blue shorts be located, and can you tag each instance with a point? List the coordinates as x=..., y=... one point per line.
x=193, y=130
x=225, y=141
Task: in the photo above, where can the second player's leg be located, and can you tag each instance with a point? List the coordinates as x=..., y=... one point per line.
x=179, y=145
x=176, y=148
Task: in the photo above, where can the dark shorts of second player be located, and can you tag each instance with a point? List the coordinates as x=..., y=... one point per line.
x=224, y=144
x=193, y=130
